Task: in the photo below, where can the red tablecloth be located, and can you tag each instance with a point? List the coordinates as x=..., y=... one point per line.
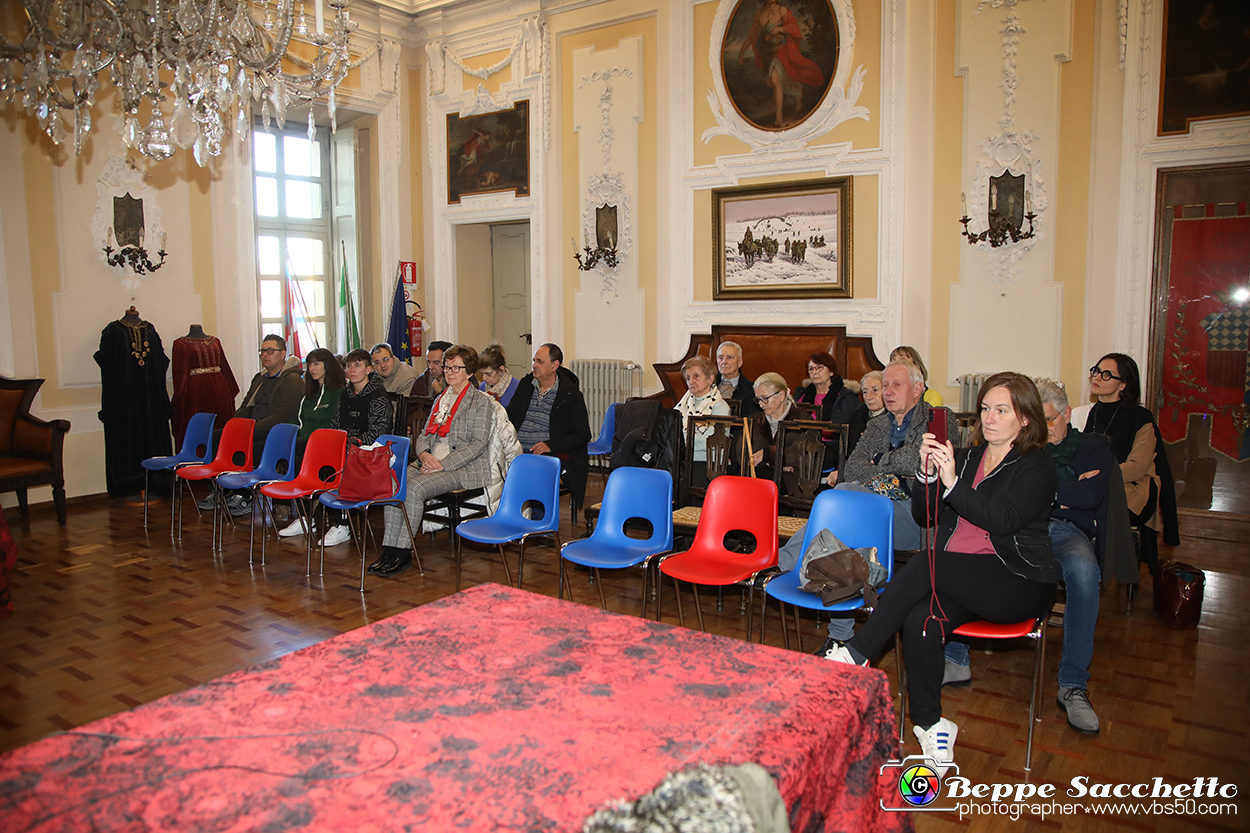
x=494, y=708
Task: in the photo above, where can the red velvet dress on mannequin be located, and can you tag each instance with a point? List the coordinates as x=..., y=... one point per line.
x=203, y=381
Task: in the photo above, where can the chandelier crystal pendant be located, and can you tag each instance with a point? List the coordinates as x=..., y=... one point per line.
x=197, y=64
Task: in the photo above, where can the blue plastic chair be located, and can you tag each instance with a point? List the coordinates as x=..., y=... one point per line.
x=603, y=443
x=197, y=449
x=631, y=493
x=533, y=479
x=279, y=454
x=399, y=466
x=857, y=519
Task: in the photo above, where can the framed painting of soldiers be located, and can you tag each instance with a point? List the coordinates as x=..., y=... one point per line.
x=782, y=240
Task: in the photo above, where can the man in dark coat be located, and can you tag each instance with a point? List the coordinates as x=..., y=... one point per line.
x=733, y=383
x=550, y=417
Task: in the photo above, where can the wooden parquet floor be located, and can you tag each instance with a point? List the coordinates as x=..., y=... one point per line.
x=109, y=617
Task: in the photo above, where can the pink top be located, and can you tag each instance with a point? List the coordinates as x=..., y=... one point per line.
x=968, y=537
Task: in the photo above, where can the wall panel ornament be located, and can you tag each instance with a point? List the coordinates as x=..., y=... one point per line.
x=839, y=104
x=1010, y=151
x=120, y=178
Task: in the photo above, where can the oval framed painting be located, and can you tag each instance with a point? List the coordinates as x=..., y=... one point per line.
x=778, y=60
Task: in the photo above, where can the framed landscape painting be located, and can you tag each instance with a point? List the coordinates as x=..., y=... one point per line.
x=488, y=152
x=783, y=240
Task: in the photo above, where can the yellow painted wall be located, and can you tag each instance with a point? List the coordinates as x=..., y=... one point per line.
x=646, y=213
x=948, y=138
x=1072, y=193
x=474, y=286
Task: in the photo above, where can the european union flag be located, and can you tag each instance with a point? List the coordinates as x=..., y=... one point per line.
x=397, y=332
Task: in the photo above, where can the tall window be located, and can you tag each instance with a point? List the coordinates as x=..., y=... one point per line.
x=293, y=234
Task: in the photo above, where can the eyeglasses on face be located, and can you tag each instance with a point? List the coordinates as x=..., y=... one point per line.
x=762, y=400
x=1105, y=375
x=1051, y=420
x=812, y=368
x=457, y=368
x=268, y=351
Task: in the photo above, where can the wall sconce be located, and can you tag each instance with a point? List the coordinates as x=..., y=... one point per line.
x=1005, y=226
x=605, y=240
x=136, y=257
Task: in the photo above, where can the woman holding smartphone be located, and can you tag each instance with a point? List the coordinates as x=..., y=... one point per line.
x=991, y=506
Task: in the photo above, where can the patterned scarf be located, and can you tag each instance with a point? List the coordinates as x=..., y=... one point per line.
x=445, y=411
x=498, y=389
x=690, y=406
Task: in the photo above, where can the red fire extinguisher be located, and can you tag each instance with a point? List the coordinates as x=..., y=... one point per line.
x=416, y=327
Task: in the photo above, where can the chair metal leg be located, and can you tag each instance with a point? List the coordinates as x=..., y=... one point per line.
x=508, y=570
x=659, y=591
x=1034, y=713
x=681, y=617
x=750, y=607
x=603, y=602
x=520, y=566
x=798, y=628
x=560, y=584
x=145, y=498
x=175, y=508
x=646, y=575
x=411, y=539
x=902, y=685
x=698, y=607
x=456, y=542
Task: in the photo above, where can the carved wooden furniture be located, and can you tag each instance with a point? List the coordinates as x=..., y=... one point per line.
x=798, y=470
x=782, y=350
x=30, y=448
x=725, y=451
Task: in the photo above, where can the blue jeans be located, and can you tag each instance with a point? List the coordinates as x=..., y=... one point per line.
x=906, y=531
x=1079, y=564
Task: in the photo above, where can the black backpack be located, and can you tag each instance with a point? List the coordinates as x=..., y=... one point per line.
x=648, y=436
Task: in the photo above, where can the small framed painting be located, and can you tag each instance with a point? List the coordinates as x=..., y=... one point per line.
x=783, y=240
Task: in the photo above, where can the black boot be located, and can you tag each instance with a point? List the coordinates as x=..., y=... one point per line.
x=389, y=557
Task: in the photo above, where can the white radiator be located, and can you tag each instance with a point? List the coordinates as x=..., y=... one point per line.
x=969, y=387
x=605, y=382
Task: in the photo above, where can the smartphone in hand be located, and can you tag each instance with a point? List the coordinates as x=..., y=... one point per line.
x=938, y=425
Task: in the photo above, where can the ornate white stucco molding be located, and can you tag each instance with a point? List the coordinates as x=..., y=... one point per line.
x=607, y=187
x=1010, y=150
x=838, y=106
x=119, y=178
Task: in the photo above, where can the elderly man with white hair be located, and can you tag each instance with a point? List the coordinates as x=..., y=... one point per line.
x=1083, y=463
x=731, y=381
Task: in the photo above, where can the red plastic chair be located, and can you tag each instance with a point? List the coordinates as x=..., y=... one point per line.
x=731, y=504
x=319, y=473
x=1034, y=629
x=234, y=454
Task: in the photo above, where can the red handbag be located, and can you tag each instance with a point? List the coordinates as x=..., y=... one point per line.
x=1178, y=593
x=367, y=474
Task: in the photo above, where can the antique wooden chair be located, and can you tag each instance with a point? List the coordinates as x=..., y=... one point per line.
x=30, y=448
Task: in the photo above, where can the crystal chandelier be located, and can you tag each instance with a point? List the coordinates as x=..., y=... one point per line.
x=199, y=64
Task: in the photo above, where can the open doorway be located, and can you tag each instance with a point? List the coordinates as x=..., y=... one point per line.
x=493, y=289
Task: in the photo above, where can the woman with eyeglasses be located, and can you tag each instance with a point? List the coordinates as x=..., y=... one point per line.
x=452, y=453
x=834, y=401
x=772, y=394
x=1119, y=415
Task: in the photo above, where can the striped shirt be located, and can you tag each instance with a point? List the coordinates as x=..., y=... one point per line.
x=536, y=427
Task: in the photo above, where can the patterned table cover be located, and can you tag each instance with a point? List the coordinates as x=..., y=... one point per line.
x=490, y=709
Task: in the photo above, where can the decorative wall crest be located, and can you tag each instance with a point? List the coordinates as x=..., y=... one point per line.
x=1012, y=151
x=608, y=188
x=839, y=104
x=119, y=178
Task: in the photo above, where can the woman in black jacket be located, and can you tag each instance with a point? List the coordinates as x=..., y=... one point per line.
x=992, y=506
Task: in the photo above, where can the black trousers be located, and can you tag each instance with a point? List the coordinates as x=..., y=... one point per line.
x=969, y=588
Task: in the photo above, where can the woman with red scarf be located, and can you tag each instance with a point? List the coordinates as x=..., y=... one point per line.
x=452, y=453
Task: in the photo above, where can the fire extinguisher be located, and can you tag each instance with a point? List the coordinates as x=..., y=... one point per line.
x=416, y=328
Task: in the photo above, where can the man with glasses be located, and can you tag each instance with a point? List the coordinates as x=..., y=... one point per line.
x=431, y=382
x=1084, y=463
x=273, y=397
x=397, y=377
x=550, y=416
x=733, y=383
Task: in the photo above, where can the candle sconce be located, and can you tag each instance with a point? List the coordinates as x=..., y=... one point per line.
x=1005, y=225
x=136, y=257
x=605, y=239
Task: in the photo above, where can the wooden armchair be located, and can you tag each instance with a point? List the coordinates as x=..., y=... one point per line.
x=798, y=470
x=30, y=448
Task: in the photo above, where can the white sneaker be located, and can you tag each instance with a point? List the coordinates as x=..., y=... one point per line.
x=938, y=744
x=337, y=535
x=296, y=527
x=839, y=653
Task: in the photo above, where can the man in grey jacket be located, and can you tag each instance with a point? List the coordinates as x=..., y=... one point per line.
x=891, y=445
